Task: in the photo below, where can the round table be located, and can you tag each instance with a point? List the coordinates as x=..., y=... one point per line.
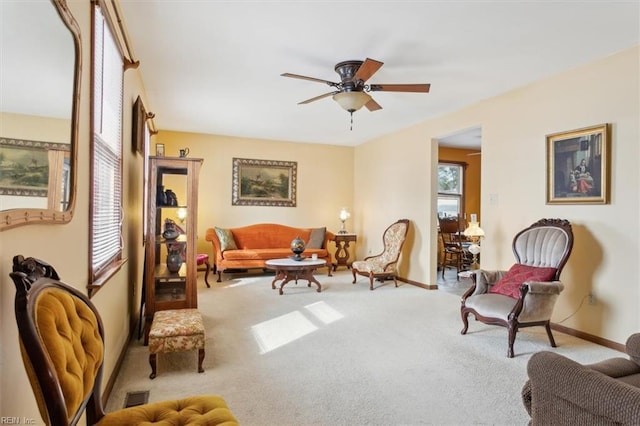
x=292, y=270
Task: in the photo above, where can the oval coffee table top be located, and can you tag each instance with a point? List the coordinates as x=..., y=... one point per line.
x=287, y=262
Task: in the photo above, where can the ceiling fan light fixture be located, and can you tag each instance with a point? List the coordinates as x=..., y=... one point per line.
x=351, y=101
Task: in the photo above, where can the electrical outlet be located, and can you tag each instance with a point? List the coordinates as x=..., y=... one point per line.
x=591, y=299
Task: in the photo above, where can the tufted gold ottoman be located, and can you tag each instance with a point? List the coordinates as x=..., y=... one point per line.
x=176, y=330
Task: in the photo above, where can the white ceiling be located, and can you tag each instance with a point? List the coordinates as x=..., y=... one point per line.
x=214, y=66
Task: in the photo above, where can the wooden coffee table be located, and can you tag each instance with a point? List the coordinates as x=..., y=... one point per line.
x=293, y=270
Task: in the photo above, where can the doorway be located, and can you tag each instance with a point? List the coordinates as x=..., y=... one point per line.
x=459, y=157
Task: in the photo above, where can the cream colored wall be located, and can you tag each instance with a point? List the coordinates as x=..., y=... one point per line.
x=392, y=182
x=606, y=251
x=324, y=172
x=66, y=248
x=30, y=127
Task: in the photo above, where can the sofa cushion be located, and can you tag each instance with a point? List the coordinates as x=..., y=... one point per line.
x=511, y=282
x=227, y=242
x=268, y=253
x=267, y=235
x=316, y=239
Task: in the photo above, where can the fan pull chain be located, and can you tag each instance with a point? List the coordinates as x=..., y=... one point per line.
x=351, y=127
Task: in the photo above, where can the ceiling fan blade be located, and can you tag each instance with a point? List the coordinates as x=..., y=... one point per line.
x=317, y=98
x=302, y=77
x=367, y=69
x=417, y=88
x=372, y=105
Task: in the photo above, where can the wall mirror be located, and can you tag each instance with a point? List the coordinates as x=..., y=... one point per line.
x=39, y=106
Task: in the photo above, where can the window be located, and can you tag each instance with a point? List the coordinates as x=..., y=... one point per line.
x=450, y=189
x=106, y=153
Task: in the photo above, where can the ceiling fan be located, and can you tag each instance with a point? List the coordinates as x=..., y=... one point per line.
x=351, y=92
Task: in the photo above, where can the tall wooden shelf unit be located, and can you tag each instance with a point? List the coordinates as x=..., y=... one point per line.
x=162, y=288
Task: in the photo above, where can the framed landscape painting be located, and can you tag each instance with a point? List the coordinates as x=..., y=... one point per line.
x=264, y=183
x=25, y=166
x=578, y=166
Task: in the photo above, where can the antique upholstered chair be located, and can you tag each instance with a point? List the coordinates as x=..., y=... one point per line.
x=62, y=345
x=455, y=247
x=384, y=265
x=525, y=295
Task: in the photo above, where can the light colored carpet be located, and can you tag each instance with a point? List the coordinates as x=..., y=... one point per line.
x=347, y=356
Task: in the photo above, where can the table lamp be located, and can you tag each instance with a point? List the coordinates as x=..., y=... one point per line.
x=182, y=214
x=475, y=233
x=344, y=215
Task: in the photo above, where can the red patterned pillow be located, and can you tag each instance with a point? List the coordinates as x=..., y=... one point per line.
x=510, y=284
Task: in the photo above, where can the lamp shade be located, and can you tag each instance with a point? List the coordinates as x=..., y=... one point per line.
x=344, y=214
x=474, y=230
x=351, y=101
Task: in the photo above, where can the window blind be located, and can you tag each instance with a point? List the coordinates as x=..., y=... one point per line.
x=106, y=206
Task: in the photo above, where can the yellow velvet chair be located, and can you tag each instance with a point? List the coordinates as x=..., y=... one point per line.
x=62, y=345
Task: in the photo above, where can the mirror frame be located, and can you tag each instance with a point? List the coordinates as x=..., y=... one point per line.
x=19, y=217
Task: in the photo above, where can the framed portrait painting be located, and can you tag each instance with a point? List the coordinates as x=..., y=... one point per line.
x=139, y=119
x=264, y=183
x=578, y=166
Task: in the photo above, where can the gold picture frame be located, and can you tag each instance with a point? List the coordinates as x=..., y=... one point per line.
x=578, y=166
x=139, y=121
x=264, y=183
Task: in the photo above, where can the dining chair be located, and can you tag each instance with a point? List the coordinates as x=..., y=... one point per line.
x=455, y=247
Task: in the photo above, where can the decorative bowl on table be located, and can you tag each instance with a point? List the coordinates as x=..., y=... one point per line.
x=170, y=234
x=297, y=247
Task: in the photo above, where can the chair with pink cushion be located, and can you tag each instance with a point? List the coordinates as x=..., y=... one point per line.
x=201, y=258
x=525, y=295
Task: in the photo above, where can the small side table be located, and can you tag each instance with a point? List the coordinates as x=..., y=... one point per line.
x=342, y=249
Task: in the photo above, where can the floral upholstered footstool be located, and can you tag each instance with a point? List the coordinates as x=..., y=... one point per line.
x=176, y=330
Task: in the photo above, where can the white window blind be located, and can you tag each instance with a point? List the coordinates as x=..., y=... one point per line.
x=106, y=205
x=450, y=189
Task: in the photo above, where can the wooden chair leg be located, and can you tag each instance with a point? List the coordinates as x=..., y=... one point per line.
x=153, y=363
x=371, y=282
x=513, y=329
x=200, y=359
x=547, y=326
x=465, y=321
x=206, y=273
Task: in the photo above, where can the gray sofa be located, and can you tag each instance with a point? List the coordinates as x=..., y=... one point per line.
x=561, y=391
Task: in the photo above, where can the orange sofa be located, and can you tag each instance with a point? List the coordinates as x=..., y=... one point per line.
x=255, y=244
